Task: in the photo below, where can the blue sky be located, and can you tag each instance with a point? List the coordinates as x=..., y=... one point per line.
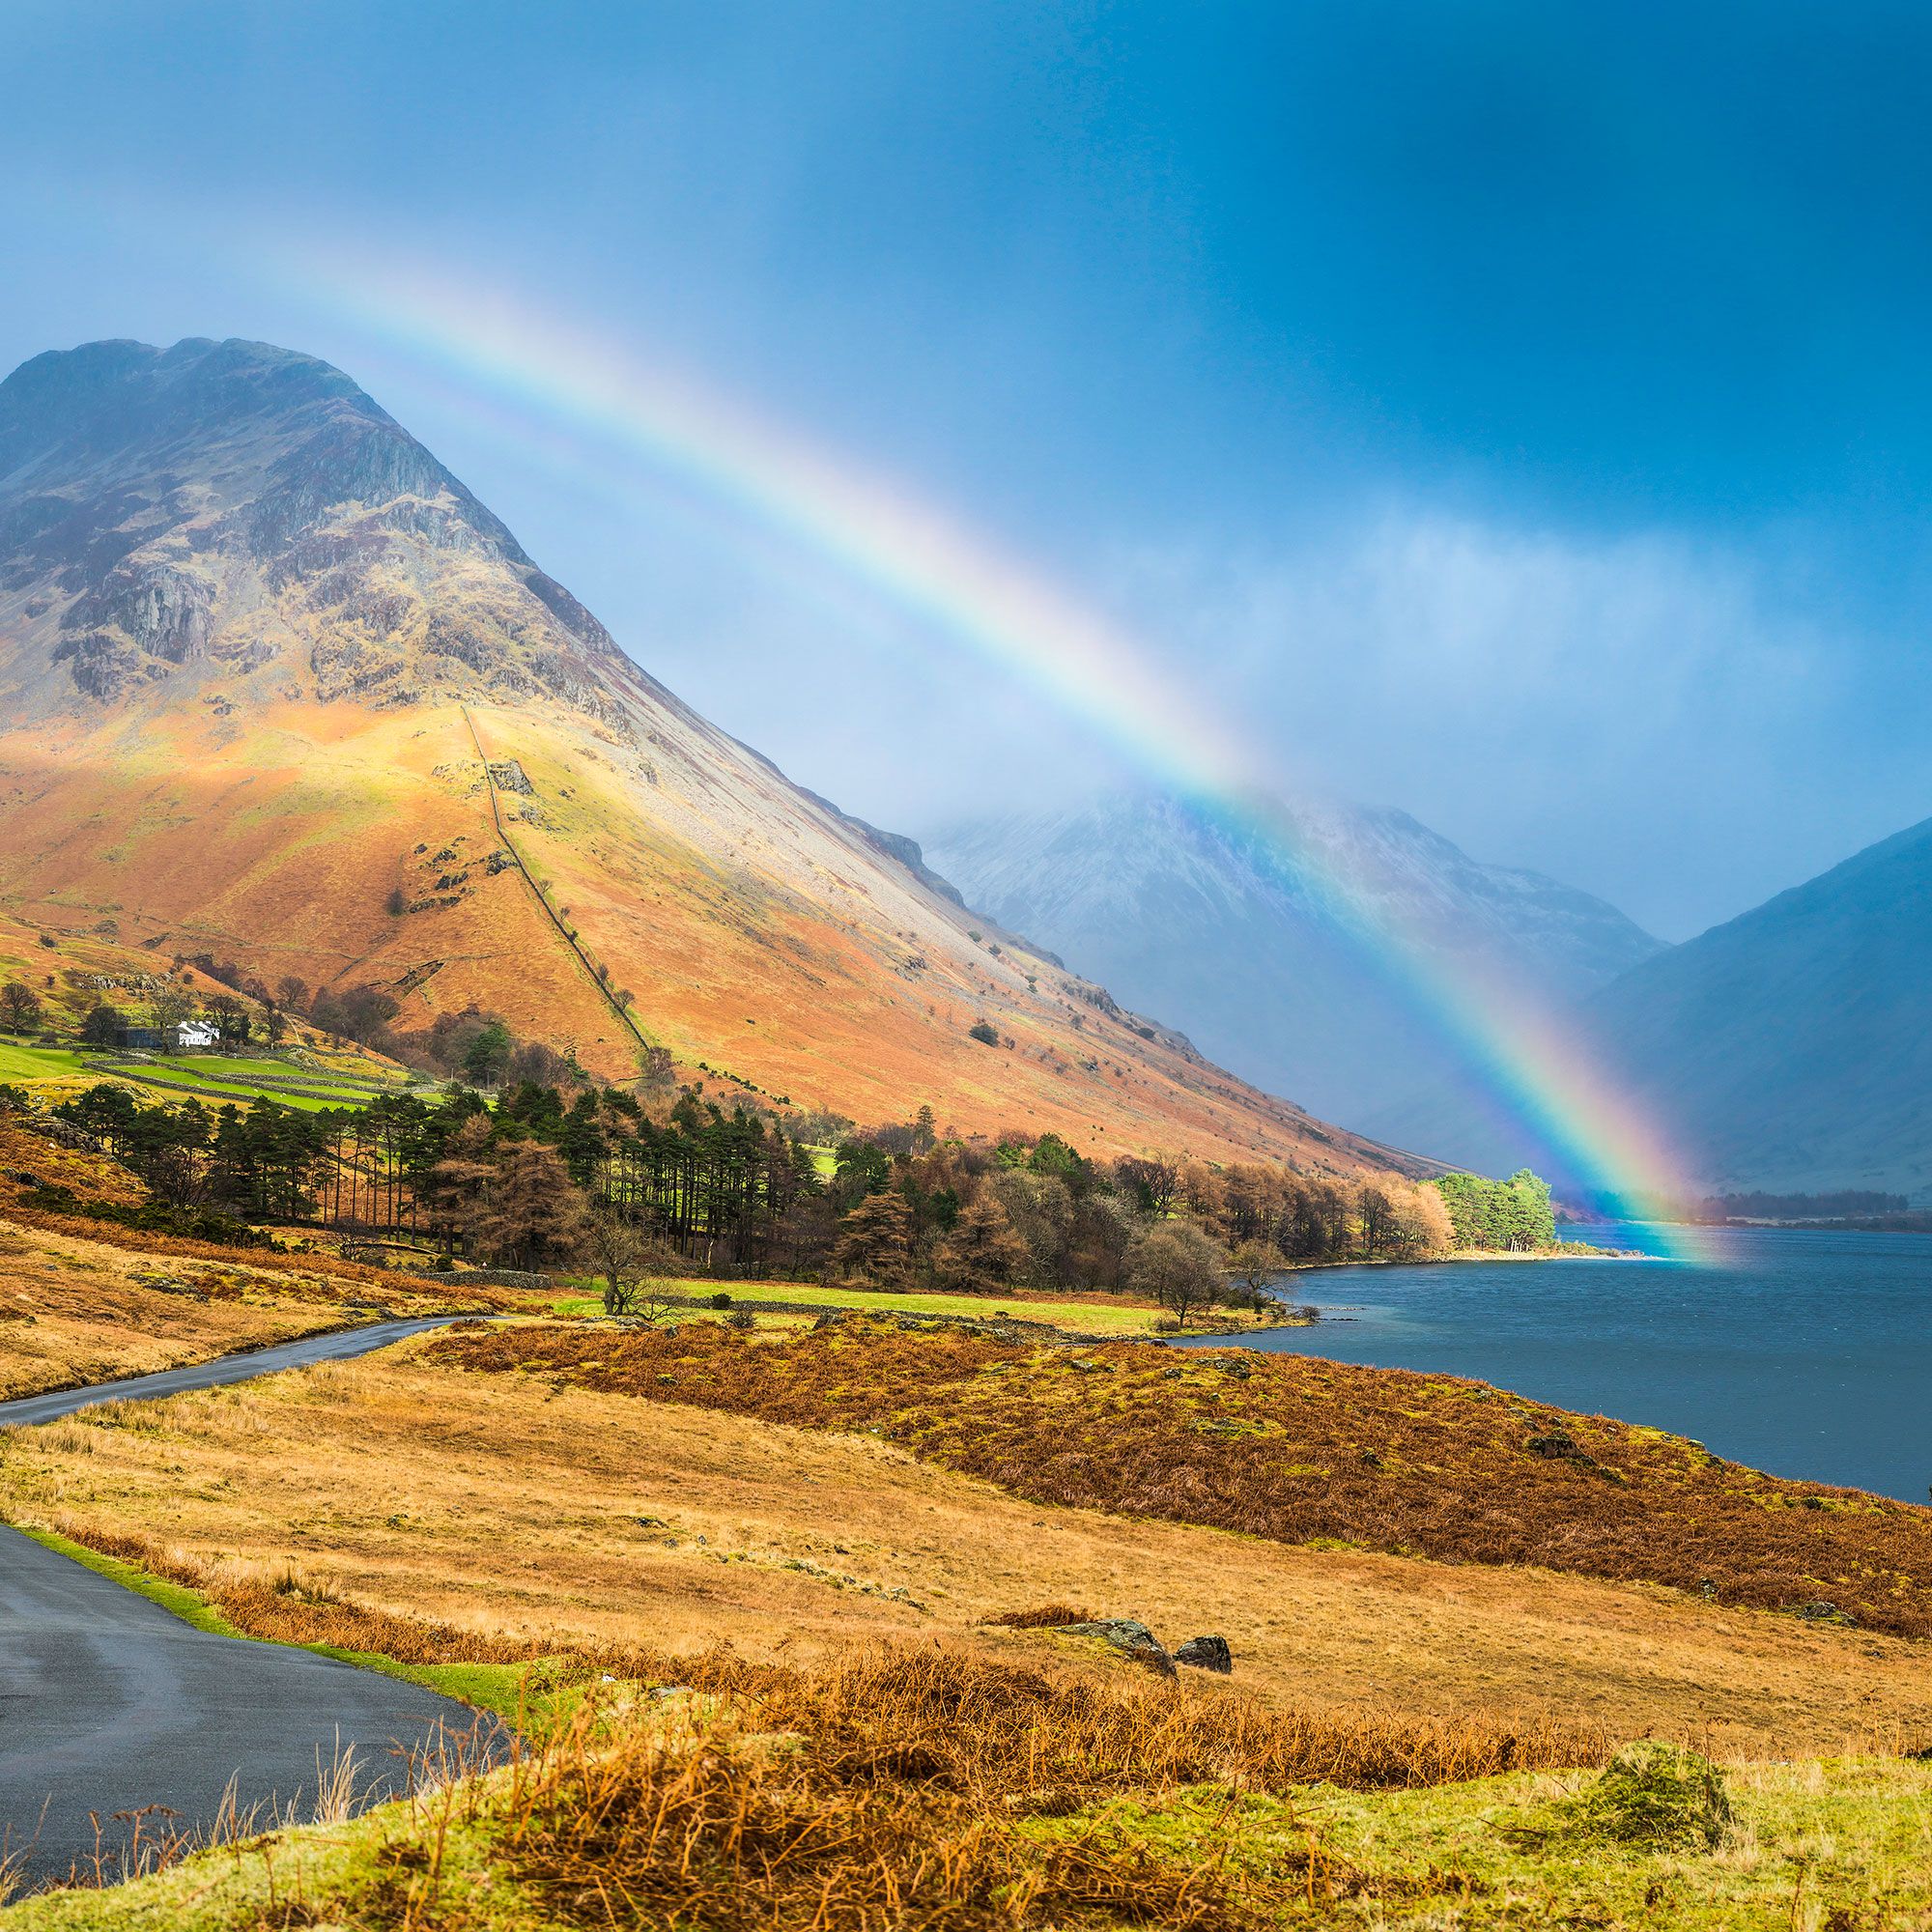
x=1514, y=414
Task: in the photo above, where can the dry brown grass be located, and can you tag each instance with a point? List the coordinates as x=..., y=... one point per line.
x=1295, y=1449
x=891, y=1790
x=83, y=1301
x=74, y=1311
x=526, y=1518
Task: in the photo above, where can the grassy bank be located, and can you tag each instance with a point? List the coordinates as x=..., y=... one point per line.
x=926, y=1792
x=1297, y=1449
x=1109, y=1315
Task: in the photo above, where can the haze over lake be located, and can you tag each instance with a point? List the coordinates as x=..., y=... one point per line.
x=1806, y=1354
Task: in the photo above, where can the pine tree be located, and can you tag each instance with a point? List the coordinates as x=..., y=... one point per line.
x=983, y=1253
x=875, y=1242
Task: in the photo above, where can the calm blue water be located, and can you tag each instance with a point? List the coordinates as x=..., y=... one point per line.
x=1806, y=1354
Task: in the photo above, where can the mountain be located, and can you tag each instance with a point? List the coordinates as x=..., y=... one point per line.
x=278, y=686
x=1789, y=1049
x=1214, y=926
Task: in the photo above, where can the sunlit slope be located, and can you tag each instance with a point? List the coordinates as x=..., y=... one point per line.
x=753, y=932
x=277, y=687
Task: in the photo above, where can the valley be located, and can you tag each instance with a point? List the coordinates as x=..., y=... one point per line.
x=636, y=1252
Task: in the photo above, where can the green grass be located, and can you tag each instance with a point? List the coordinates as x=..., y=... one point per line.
x=530, y=1694
x=269, y=1881
x=37, y=1062
x=1087, y=1317
x=199, y=1086
x=1844, y=1843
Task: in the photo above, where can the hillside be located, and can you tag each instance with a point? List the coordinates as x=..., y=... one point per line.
x=1785, y=1050
x=280, y=688
x=1789, y=1046
x=1214, y=926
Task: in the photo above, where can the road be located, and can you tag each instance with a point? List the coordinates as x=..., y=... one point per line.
x=108, y=1704
x=341, y=1344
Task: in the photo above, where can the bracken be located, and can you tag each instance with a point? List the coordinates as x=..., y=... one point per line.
x=1297, y=1450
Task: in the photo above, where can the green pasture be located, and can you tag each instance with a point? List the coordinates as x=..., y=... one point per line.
x=1087, y=1317
x=20, y=1065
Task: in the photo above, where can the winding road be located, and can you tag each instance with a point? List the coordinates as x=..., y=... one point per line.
x=109, y=1705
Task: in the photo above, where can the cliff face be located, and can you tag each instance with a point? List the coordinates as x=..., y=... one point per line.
x=258, y=650
x=233, y=506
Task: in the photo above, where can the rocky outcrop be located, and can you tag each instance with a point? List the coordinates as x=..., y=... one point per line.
x=165, y=497
x=1207, y=1653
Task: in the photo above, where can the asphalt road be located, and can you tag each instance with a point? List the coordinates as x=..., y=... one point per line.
x=341, y=1346
x=109, y=1705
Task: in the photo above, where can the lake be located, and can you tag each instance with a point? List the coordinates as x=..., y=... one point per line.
x=1806, y=1354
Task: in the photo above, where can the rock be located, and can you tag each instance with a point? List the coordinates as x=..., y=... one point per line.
x=1207, y=1653
x=1234, y=1367
x=1819, y=1611
x=830, y=1318
x=1131, y=1638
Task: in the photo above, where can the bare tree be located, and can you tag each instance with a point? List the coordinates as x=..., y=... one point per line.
x=632, y=1266
x=1252, y=1268
x=1180, y=1269
x=168, y=1005
x=20, y=1007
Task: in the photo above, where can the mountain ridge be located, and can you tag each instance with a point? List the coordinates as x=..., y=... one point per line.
x=247, y=625
x=1218, y=925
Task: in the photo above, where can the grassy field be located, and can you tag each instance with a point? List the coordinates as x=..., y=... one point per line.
x=203, y=1076
x=1098, y=1315
x=507, y=1508
x=1298, y=1449
x=1407, y=1745
x=26, y=1066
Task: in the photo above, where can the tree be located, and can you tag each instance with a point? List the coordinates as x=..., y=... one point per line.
x=1513, y=1215
x=1374, y=1220
x=102, y=1026
x=1178, y=1267
x=630, y=1264
x=231, y=1019
x=531, y=1216
x=168, y=1007
x=20, y=1007
x=1254, y=1269
x=983, y=1252
x=456, y=1186
x=875, y=1242
x=488, y=1053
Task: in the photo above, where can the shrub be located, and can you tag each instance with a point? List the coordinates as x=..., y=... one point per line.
x=1656, y=1796
x=983, y=1033
x=153, y=1217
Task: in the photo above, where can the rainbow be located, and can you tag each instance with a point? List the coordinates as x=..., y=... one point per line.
x=611, y=399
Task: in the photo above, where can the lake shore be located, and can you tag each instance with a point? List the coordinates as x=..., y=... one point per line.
x=1564, y=1251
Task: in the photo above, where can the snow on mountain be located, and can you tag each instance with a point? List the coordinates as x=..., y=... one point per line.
x=1217, y=928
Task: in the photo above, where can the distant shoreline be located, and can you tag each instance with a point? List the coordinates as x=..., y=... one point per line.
x=1577, y=1251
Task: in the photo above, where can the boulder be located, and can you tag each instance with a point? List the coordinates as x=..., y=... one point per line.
x=1207, y=1653
x=1131, y=1638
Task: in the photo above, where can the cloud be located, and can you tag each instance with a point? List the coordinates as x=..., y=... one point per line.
x=1661, y=720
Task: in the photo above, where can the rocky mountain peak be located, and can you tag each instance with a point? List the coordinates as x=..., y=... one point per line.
x=250, y=511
